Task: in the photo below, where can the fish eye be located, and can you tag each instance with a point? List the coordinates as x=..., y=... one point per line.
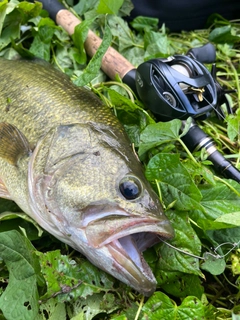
x=130, y=187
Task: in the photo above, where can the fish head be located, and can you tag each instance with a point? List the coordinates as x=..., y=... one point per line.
x=88, y=189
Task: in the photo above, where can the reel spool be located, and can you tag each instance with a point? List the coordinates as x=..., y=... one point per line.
x=176, y=88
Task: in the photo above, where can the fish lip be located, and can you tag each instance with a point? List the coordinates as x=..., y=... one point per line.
x=131, y=264
x=139, y=275
x=100, y=234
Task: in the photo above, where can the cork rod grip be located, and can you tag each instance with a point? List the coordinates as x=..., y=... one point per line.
x=113, y=63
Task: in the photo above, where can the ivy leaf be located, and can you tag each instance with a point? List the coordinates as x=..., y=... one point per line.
x=11, y=28
x=160, y=306
x=109, y=6
x=157, y=45
x=79, y=37
x=158, y=133
x=29, y=10
x=186, y=240
x=218, y=201
x=174, y=180
x=93, y=305
x=51, y=309
x=226, y=34
x=233, y=125
x=181, y=284
x=41, y=44
x=123, y=103
x=212, y=264
x=230, y=218
x=3, y=11
x=66, y=279
x=142, y=23
x=121, y=30
x=20, y=299
x=17, y=13
x=19, y=220
x=92, y=69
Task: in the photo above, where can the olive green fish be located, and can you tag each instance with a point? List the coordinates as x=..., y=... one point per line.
x=66, y=161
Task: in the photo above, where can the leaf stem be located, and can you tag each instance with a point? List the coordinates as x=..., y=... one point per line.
x=229, y=282
x=228, y=185
x=122, y=85
x=188, y=152
x=236, y=80
x=159, y=192
x=139, y=308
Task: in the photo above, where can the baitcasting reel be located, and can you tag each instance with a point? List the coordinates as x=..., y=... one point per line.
x=180, y=87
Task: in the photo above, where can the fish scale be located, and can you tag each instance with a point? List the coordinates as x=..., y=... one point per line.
x=65, y=159
x=53, y=109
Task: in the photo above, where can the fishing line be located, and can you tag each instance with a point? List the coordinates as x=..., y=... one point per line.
x=216, y=255
x=219, y=114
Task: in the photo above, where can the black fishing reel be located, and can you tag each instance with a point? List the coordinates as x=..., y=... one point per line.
x=180, y=86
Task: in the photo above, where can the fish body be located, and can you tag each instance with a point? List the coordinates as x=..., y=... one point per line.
x=67, y=162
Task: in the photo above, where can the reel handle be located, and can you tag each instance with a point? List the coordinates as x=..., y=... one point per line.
x=204, y=54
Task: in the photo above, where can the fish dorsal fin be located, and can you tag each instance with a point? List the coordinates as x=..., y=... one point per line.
x=13, y=143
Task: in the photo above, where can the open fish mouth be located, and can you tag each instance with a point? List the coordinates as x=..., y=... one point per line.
x=126, y=245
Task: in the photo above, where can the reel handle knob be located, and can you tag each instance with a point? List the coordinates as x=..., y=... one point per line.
x=204, y=54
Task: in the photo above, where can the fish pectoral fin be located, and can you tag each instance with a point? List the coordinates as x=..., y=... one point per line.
x=3, y=191
x=13, y=143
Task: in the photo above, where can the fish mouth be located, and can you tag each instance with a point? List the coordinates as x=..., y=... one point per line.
x=125, y=239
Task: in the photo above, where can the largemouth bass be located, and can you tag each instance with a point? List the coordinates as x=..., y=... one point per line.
x=67, y=162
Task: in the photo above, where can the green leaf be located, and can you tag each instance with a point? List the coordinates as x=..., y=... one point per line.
x=11, y=28
x=225, y=238
x=236, y=313
x=212, y=264
x=226, y=34
x=144, y=23
x=158, y=133
x=187, y=241
x=20, y=299
x=41, y=44
x=217, y=201
x=19, y=220
x=29, y=10
x=126, y=8
x=121, y=30
x=84, y=6
x=93, y=305
x=92, y=69
x=40, y=49
x=174, y=180
x=66, y=279
x=79, y=37
x=233, y=125
x=109, y=6
x=157, y=45
x=160, y=306
x=3, y=11
x=231, y=218
x=52, y=310
x=123, y=103
x=182, y=285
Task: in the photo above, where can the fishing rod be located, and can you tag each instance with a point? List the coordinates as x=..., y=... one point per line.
x=177, y=87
